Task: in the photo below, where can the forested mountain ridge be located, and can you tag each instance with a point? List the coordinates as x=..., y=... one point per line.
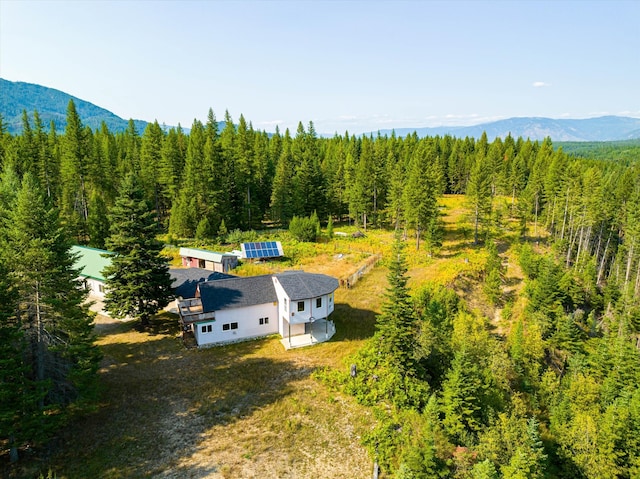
x=604, y=128
x=51, y=104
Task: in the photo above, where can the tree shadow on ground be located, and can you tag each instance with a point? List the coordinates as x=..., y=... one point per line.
x=352, y=323
x=159, y=400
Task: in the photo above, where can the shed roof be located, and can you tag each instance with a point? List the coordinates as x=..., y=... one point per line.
x=299, y=285
x=204, y=254
x=185, y=280
x=237, y=292
x=90, y=261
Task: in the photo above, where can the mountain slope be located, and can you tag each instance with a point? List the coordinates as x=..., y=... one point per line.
x=51, y=104
x=605, y=128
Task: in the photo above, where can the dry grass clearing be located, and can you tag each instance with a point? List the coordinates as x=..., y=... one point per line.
x=244, y=410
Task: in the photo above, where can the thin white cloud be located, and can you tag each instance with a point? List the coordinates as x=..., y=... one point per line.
x=271, y=122
x=540, y=84
x=629, y=113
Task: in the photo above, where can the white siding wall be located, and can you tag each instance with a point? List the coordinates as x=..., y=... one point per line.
x=291, y=313
x=94, y=286
x=248, y=320
x=326, y=306
x=284, y=308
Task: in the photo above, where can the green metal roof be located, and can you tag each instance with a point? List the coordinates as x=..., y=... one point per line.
x=203, y=254
x=90, y=261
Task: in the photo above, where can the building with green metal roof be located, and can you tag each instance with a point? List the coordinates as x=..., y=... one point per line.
x=91, y=263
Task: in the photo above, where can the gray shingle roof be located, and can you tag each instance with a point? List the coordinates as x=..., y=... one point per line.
x=237, y=292
x=299, y=285
x=185, y=280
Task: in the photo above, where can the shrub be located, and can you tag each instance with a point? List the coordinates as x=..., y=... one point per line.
x=304, y=229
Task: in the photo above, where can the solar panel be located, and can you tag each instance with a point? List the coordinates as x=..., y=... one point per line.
x=262, y=249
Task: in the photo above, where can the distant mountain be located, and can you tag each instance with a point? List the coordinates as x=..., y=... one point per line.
x=605, y=128
x=52, y=104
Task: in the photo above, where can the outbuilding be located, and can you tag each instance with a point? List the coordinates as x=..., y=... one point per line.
x=91, y=262
x=205, y=259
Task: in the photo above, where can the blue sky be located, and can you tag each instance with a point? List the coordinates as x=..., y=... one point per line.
x=345, y=65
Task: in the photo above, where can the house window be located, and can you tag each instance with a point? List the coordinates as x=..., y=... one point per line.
x=234, y=325
x=264, y=320
x=300, y=306
x=225, y=327
x=228, y=326
x=207, y=328
x=285, y=305
x=318, y=302
x=201, y=263
x=101, y=288
x=331, y=298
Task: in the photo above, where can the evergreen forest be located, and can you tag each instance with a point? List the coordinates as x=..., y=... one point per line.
x=554, y=394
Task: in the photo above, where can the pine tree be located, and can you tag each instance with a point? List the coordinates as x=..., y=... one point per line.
x=421, y=208
x=493, y=274
x=479, y=196
x=150, y=162
x=462, y=393
x=396, y=325
x=74, y=175
x=97, y=222
x=330, y=228
x=282, y=192
x=138, y=282
x=60, y=352
x=19, y=396
x=170, y=168
x=203, y=231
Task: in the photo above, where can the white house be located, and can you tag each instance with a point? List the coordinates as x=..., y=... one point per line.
x=305, y=302
x=296, y=305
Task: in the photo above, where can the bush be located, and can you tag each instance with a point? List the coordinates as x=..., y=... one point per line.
x=238, y=236
x=305, y=229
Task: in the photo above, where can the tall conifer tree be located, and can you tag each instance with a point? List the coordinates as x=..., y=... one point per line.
x=59, y=353
x=138, y=281
x=479, y=195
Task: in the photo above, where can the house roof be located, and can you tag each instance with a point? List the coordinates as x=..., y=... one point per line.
x=237, y=292
x=299, y=285
x=90, y=261
x=204, y=254
x=185, y=280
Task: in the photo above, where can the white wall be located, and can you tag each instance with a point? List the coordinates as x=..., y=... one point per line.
x=291, y=313
x=94, y=286
x=248, y=320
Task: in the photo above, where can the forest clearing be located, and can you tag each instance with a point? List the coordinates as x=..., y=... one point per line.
x=245, y=410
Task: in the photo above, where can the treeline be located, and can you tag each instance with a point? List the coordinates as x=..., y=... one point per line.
x=239, y=178
x=209, y=181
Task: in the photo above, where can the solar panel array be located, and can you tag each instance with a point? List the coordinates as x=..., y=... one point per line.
x=262, y=249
